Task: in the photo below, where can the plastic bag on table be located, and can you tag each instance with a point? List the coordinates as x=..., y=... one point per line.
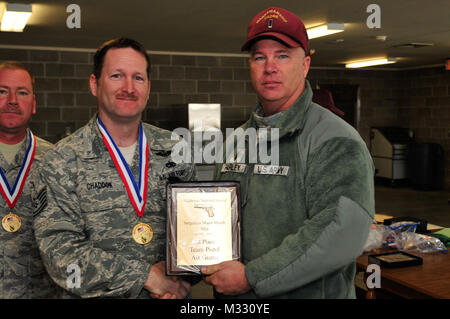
x=418, y=242
x=404, y=227
x=396, y=229
x=377, y=236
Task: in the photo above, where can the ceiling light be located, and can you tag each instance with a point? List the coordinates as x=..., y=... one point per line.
x=381, y=38
x=15, y=17
x=413, y=45
x=325, y=29
x=362, y=64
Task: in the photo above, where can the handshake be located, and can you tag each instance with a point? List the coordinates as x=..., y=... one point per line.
x=161, y=286
x=227, y=277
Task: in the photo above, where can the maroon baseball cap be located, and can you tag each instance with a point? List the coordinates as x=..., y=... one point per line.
x=280, y=24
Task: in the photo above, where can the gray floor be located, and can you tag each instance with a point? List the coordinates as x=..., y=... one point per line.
x=432, y=206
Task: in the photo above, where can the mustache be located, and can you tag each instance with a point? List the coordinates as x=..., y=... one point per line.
x=126, y=96
x=11, y=109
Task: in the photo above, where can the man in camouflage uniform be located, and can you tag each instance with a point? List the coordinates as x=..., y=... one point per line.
x=22, y=273
x=85, y=231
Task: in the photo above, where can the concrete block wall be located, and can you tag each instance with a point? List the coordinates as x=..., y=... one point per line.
x=64, y=102
x=380, y=93
x=178, y=79
x=425, y=107
x=417, y=99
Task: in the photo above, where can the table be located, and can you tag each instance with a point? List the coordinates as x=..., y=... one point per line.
x=429, y=280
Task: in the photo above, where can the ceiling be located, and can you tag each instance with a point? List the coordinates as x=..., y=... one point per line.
x=219, y=27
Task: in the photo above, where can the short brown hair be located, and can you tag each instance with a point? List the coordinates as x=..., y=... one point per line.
x=14, y=65
x=119, y=43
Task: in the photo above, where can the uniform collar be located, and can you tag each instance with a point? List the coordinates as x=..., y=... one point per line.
x=95, y=146
x=18, y=159
x=287, y=121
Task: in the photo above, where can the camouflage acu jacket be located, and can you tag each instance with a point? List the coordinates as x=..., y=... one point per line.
x=86, y=226
x=22, y=273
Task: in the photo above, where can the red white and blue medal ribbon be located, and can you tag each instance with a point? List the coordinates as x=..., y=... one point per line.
x=137, y=192
x=12, y=222
x=12, y=195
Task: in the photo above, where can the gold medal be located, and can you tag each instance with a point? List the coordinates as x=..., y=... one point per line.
x=11, y=223
x=142, y=233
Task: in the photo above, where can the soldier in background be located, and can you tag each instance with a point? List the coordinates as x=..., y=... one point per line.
x=104, y=214
x=23, y=274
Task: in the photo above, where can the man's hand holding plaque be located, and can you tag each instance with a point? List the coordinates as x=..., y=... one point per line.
x=227, y=278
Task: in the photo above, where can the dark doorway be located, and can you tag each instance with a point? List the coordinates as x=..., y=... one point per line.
x=345, y=97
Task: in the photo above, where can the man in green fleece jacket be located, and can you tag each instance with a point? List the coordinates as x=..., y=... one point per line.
x=304, y=222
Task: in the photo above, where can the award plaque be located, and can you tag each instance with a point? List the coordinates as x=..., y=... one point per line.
x=203, y=225
x=395, y=259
